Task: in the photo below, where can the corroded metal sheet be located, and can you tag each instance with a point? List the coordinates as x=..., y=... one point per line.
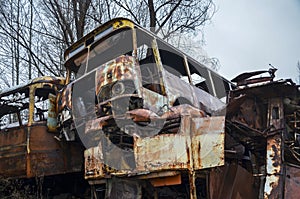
x=167, y=181
x=46, y=155
x=292, y=182
x=106, y=159
x=65, y=98
x=274, y=154
x=52, y=116
x=115, y=70
x=231, y=181
x=93, y=163
x=162, y=152
x=203, y=143
x=197, y=145
x=12, y=152
x=49, y=157
x=208, y=135
x=274, y=168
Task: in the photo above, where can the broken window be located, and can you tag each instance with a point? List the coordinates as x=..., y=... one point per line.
x=171, y=59
x=104, y=50
x=151, y=78
x=84, y=96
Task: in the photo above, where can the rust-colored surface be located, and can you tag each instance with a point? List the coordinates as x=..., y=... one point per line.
x=208, y=142
x=65, y=98
x=292, y=182
x=52, y=116
x=27, y=148
x=274, y=153
x=119, y=69
x=274, y=168
x=167, y=181
x=162, y=152
x=47, y=155
x=198, y=144
x=93, y=163
x=263, y=119
x=172, y=151
x=13, y=152
x=231, y=181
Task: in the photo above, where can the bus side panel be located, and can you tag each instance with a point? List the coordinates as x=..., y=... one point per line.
x=13, y=152
x=49, y=156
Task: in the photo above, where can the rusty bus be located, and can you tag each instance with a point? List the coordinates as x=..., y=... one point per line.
x=137, y=118
x=148, y=114
x=28, y=149
x=155, y=126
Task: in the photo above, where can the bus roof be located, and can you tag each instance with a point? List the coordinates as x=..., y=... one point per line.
x=98, y=33
x=45, y=80
x=111, y=26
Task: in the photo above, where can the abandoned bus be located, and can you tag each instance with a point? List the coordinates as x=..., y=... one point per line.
x=27, y=148
x=142, y=109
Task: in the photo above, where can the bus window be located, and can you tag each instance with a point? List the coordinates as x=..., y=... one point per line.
x=149, y=70
x=103, y=51
x=172, y=61
x=211, y=82
x=203, y=72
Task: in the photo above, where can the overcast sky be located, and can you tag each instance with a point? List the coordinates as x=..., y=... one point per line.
x=248, y=35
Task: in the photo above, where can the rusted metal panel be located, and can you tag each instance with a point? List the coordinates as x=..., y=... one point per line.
x=192, y=148
x=161, y=153
x=93, y=163
x=107, y=159
x=292, y=182
x=273, y=186
x=118, y=69
x=208, y=136
x=65, y=98
x=160, y=174
x=231, y=181
x=274, y=154
x=12, y=152
x=172, y=151
x=52, y=116
x=46, y=155
x=167, y=181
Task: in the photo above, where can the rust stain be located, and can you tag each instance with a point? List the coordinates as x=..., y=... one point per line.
x=118, y=69
x=273, y=166
x=166, y=181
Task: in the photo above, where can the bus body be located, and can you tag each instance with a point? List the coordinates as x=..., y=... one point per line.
x=27, y=148
x=142, y=108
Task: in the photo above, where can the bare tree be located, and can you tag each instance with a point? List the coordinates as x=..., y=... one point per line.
x=167, y=17
x=27, y=42
x=34, y=34
x=70, y=16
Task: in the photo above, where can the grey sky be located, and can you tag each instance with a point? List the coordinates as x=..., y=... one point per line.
x=248, y=35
